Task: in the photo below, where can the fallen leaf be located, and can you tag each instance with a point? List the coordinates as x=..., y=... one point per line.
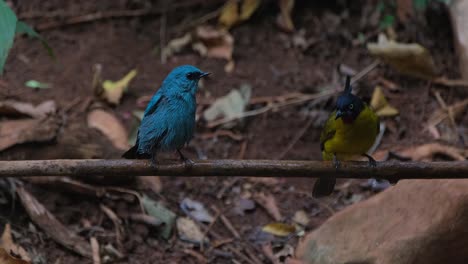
x=229, y=14
x=15, y=108
x=110, y=126
x=301, y=217
x=6, y=258
x=284, y=20
x=404, y=10
x=196, y=210
x=214, y=43
x=241, y=205
x=176, y=45
x=10, y=247
x=113, y=91
x=51, y=226
x=248, y=8
x=13, y=132
x=229, y=106
x=440, y=119
x=426, y=152
x=37, y=85
x=152, y=183
x=157, y=210
x=380, y=104
x=408, y=58
x=286, y=252
x=268, y=202
x=279, y=229
x=189, y=231
x=259, y=237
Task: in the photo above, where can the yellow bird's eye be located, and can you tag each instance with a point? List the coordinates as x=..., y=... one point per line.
x=351, y=106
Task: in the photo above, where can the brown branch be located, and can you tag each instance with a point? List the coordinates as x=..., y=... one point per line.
x=258, y=168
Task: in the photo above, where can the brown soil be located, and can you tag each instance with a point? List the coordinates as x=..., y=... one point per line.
x=263, y=58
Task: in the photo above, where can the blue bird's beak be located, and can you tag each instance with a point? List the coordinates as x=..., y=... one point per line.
x=338, y=114
x=204, y=74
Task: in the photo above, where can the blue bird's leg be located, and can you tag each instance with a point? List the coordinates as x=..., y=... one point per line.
x=154, y=160
x=186, y=160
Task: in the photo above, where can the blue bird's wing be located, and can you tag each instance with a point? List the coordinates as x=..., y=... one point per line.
x=153, y=104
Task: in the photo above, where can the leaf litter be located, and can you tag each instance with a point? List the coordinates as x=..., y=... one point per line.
x=108, y=124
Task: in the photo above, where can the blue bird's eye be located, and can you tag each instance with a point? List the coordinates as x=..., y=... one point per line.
x=351, y=106
x=191, y=76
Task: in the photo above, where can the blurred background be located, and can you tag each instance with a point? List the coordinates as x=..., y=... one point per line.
x=277, y=67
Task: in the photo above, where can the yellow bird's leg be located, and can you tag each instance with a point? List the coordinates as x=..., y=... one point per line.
x=372, y=162
x=336, y=162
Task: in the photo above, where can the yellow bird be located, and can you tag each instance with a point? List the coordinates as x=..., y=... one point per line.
x=349, y=132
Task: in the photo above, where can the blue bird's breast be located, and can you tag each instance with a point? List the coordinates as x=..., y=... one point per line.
x=170, y=126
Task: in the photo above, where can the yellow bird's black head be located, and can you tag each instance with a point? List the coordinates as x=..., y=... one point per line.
x=348, y=106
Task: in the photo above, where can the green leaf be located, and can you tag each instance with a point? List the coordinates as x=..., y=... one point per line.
x=7, y=28
x=157, y=210
x=37, y=84
x=23, y=28
x=420, y=4
x=387, y=21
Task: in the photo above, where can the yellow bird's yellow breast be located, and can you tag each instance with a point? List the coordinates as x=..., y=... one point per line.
x=351, y=139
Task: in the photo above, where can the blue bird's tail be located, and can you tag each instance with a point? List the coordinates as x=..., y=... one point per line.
x=131, y=153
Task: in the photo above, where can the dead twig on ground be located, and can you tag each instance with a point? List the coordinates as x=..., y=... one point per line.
x=296, y=138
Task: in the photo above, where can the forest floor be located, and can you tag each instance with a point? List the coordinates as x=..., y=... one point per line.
x=266, y=59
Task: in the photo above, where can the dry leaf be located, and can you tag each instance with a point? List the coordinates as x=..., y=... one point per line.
x=110, y=126
x=152, y=183
x=380, y=104
x=113, y=91
x=196, y=210
x=159, y=211
x=248, y=8
x=230, y=14
x=441, y=118
x=6, y=258
x=404, y=10
x=229, y=106
x=301, y=218
x=10, y=247
x=426, y=152
x=268, y=202
x=15, y=108
x=51, y=226
x=408, y=58
x=284, y=20
x=279, y=229
x=189, y=231
x=176, y=45
x=214, y=43
x=241, y=205
x=27, y=130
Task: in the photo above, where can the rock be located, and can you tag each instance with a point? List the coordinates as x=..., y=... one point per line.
x=416, y=221
x=459, y=16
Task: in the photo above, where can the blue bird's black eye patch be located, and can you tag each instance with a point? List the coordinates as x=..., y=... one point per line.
x=192, y=75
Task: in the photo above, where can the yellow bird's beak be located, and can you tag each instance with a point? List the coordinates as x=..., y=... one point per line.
x=338, y=114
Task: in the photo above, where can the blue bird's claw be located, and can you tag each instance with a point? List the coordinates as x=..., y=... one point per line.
x=188, y=163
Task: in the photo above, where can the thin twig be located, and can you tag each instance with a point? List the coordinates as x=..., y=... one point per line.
x=296, y=138
x=269, y=107
x=226, y=222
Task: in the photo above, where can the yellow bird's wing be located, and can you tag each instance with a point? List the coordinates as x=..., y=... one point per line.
x=328, y=131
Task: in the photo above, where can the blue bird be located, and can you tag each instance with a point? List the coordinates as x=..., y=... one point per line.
x=169, y=119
